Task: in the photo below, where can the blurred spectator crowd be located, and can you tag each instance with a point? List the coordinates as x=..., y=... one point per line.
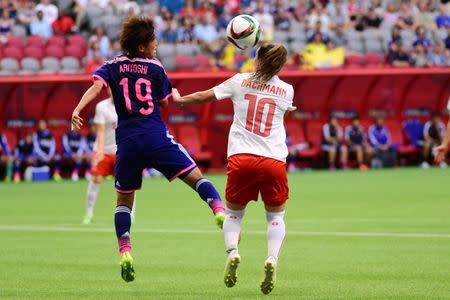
x=72, y=36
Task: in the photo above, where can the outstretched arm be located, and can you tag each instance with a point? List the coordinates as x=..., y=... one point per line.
x=90, y=95
x=441, y=151
x=195, y=98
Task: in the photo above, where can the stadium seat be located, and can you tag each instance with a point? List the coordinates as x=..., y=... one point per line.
x=186, y=50
x=296, y=136
x=19, y=31
x=14, y=41
x=356, y=46
x=54, y=51
x=166, y=50
x=296, y=46
x=398, y=139
x=189, y=137
x=202, y=62
x=50, y=65
x=30, y=65
x=9, y=66
x=314, y=137
x=298, y=35
x=76, y=39
x=374, y=59
x=36, y=41
x=281, y=37
x=34, y=51
x=75, y=51
x=70, y=65
x=374, y=46
x=56, y=41
x=184, y=63
x=354, y=60
x=13, y=52
x=168, y=63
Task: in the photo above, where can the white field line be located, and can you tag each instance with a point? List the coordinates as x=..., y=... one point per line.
x=57, y=228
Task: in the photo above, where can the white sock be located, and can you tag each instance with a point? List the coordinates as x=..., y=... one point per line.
x=92, y=193
x=133, y=209
x=232, y=228
x=276, y=231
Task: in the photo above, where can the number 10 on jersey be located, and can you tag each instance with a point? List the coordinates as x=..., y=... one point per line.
x=255, y=114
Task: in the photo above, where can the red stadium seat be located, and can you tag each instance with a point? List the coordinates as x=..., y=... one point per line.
x=202, y=63
x=35, y=40
x=58, y=133
x=296, y=136
x=184, y=63
x=76, y=40
x=354, y=60
x=13, y=52
x=75, y=51
x=54, y=51
x=374, y=59
x=314, y=136
x=189, y=137
x=35, y=52
x=398, y=138
x=14, y=41
x=56, y=41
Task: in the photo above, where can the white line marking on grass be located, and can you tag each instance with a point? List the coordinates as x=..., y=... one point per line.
x=58, y=228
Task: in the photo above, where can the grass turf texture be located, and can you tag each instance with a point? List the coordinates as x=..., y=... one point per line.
x=179, y=253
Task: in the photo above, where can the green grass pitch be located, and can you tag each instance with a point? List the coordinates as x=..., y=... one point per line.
x=351, y=235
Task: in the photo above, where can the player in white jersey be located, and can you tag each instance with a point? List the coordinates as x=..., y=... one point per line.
x=440, y=152
x=104, y=154
x=257, y=153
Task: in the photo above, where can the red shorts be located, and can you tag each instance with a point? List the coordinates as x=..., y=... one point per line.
x=249, y=175
x=105, y=167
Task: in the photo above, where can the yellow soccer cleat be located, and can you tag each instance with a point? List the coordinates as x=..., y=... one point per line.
x=127, y=270
x=230, y=274
x=270, y=270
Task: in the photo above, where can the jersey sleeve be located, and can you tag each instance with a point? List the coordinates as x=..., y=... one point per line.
x=226, y=88
x=290, y=99
x=102, y=74
x=99, y=117
x=164, y=90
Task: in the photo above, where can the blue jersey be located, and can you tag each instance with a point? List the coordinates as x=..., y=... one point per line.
x=73, y=143
x=44, y=143
x=138, y=85
x=4, y=147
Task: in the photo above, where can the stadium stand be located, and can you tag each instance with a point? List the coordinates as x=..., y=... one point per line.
x=293, y=23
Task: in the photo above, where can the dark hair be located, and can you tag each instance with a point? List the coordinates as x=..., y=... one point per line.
x=271, y=58
x=135, y=32
x=355, y=118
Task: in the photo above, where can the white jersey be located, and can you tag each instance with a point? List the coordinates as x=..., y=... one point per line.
x=259, y=109
x=105, y=114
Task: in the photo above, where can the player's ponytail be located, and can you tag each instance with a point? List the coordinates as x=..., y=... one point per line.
x=270, y=58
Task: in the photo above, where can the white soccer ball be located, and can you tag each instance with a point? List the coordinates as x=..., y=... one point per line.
x=243, y=31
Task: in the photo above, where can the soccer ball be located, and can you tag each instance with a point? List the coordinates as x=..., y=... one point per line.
x=243, y=31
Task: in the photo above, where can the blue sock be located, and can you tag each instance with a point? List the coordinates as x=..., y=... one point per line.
x=209, y=194
x=122, y=222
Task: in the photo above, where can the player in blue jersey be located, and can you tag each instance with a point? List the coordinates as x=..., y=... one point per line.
x=6, y=157
x=139, y=86
x=45, y=149
x=73, y=144
x=24, y=156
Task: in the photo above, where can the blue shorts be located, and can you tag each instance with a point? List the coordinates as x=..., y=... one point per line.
x=153, y=150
